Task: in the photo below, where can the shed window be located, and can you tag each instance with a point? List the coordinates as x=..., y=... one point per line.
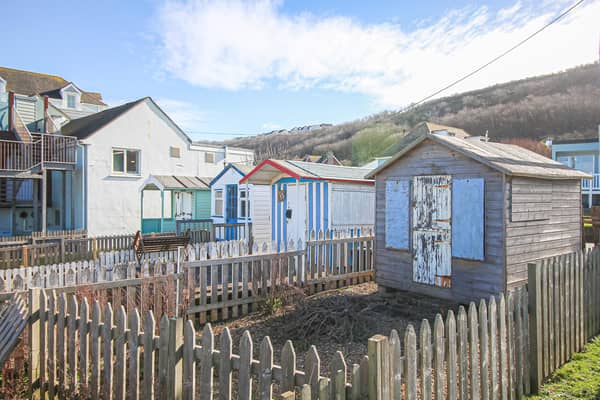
x=397, y=214
x=468, y=218
x=219, y=203
x=531, y=200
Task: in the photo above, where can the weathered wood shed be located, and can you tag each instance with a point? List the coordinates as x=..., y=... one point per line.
x=460, y=218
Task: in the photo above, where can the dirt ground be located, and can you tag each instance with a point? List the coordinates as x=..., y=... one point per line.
x=341, y=319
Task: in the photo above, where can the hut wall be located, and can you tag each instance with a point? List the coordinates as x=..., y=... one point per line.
x=470, y=279
x=543, y=219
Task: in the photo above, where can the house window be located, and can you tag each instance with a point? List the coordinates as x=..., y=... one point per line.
x=71, y=101
x=244, y=204
x=126, y=161
x=2, y=86
x=175, y=152
x=219, y=203
x=209, y=157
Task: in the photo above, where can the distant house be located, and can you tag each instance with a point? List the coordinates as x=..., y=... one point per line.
x=64, y=100
x=460, y=218
x=309, y=196
x=329, y=158
x=581, y=152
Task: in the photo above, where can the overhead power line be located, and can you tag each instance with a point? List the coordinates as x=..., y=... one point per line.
x=470, y=74
x=452, y=84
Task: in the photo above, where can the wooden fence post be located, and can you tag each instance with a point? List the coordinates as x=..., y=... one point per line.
x=25, y=256
x=379, y=368
x=34, y=344
x=175, y=360
x=534, y=283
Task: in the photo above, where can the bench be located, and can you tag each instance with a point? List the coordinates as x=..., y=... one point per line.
x=156, y=243
x=13, y=320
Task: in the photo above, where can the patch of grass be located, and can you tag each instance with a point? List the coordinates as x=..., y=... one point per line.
x=578, y=379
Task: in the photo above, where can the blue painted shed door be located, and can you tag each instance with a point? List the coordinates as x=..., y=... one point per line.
x=468, y=218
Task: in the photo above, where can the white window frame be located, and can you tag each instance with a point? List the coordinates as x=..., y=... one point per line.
x=2, y=85
x=245, y=200
x=125, y=151
x=219, y=198
x=210, y=153
x=74, y=97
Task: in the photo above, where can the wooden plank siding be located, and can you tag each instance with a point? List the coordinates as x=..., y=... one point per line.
x=548, y=222
x=471, y=280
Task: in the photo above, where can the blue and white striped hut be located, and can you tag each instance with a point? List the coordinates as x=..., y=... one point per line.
x=309, y=196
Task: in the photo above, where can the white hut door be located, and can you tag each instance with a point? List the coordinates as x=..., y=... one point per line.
x=296, y=202
x=183, y=205
x=431, y=223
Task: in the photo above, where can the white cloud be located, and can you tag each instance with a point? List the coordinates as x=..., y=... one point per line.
x=189, y=117
x=230, y=44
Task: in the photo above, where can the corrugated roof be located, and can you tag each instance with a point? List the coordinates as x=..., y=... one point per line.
x=175, y=182
x=270, y=170
x=33, y=83
x=507, y=158
x=328, y=171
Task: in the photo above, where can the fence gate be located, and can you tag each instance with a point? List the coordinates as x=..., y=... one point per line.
x=432, y=233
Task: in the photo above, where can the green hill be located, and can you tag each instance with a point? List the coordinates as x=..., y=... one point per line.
x=560, y=105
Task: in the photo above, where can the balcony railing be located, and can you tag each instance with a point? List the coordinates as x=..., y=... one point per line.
x=44, y=148
x=591, y=184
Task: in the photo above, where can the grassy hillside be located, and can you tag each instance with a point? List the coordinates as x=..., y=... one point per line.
x=560, y=105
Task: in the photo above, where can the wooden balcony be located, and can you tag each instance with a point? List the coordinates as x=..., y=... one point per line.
x=45, y=151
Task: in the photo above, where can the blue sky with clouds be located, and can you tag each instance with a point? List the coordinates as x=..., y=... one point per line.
x=248, y=67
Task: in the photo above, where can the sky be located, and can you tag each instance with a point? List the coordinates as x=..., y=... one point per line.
x=230, y=68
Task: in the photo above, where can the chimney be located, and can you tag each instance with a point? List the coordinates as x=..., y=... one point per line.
x=46, y=116
x=11, y=111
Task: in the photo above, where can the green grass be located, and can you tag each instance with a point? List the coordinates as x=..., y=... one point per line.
x=578, y=379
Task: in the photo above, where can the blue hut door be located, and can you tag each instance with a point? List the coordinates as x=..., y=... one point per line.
x=231, y=211
x=432, y=260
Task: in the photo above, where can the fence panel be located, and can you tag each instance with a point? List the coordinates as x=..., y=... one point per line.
x=416, y=364
x=565, y=310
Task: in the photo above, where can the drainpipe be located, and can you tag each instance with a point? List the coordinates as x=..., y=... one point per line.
x=247, y=213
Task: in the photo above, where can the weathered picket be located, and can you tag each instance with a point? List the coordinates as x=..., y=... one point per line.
x=565, y=309
x=228, y=279
x=172, y=360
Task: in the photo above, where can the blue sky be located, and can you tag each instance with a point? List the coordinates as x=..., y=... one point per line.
x=249, y=67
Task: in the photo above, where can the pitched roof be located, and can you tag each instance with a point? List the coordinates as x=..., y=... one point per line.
x=84, y=127
x=509, y=159
x=33, y=83
x=269, y=170
x=242, y=169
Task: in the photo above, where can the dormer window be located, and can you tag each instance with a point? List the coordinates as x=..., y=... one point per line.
x=71, y=96
x=2, y=85
x=71, y=101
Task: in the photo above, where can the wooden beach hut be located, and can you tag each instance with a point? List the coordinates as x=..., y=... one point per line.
x=460, y=217
x=307, y=196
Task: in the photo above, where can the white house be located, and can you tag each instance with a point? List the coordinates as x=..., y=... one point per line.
x=119, y=150
x=308, y=196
